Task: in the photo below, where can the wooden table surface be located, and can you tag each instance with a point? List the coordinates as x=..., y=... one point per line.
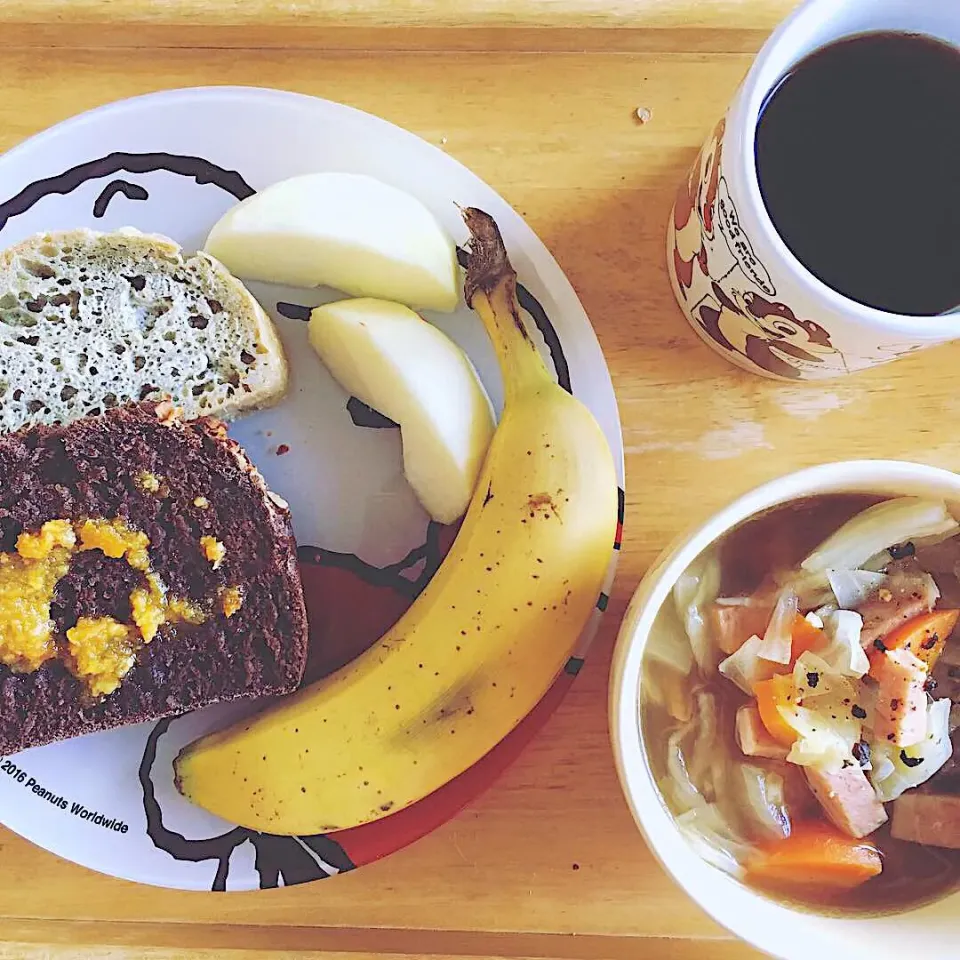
x=538, y=99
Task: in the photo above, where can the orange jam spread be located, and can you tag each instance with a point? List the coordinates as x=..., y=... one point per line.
x=116, y=540
x=101, y=652
x=98, y=650
x=213, y=550
x=27, y=581
x=148, y=611
x=152, y=607
x=231, y=600
x=54, y=533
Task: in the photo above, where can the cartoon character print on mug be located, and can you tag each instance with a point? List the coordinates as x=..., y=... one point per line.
x=726, y=291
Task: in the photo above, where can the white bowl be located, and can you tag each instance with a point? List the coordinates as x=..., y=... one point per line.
x=931, y=931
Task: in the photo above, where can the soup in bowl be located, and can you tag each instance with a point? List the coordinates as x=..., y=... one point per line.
x=784, y=718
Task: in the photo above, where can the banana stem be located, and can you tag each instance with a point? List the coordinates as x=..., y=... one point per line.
x=490, y=289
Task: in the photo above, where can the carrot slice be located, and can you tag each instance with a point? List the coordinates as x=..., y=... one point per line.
x=815, y=854
x=771, y=694
x=924, y=636
x=806, y=638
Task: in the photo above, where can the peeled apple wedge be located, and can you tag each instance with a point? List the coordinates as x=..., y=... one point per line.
x=342, y=230
x=477, y=649
x=394, y=361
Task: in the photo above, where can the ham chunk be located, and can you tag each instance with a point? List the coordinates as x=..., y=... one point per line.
x=734, y=623
x=901, y=712
x=929, y=818
x=903, y=597
x=847, y=799
x=753, y=737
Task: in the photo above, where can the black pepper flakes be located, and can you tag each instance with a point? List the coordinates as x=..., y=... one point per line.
x=900, y=551
x=909, y=761
x=930, y=642
x=858, y=712
x=812, y=680
x=880, y=645
x=894, y=705
x=861, y=751
x=929, y=685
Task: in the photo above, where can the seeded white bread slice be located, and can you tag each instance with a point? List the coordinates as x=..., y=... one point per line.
x=92, y=320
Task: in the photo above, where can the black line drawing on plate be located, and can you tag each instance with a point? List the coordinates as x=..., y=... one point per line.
x=291, y=860
x=279, y=860
x=132, y=191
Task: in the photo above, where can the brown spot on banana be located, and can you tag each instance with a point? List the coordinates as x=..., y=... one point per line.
x=449, y=705
x=545, y=504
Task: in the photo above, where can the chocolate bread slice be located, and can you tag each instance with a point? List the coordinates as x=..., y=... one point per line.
x=145, y=571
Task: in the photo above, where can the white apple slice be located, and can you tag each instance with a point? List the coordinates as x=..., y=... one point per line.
x=394, y=361
x=342, y=230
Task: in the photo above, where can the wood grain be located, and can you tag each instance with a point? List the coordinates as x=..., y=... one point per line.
x=548, y=863
x=666, y=950
x=600, y=25
x=581, y=14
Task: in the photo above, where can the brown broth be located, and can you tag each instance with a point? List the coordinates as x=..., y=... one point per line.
x=778, y=539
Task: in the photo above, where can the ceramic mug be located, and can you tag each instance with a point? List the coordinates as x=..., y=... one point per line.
x=744, y=292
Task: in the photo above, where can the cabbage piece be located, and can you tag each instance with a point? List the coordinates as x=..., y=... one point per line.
x=821, y=715
x=766, y=805
x=897, y=769
x=692, y=753
x=843, y=652
x=695, y=589
x=777, y=642
x=824, y=611
x=814, y=619
x=812, y=589
x=668, y=662
x=746, y=668
x=679, y=788
x=819, y=742
x=881, y=768
x=877, y=528
x=709, y=834
x=668, y=642
x=820, y=685
x=878, y=563
x=852, y=587
x=706, y=747
x=667, y=689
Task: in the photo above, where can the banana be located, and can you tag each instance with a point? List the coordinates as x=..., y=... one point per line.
x=476, y=650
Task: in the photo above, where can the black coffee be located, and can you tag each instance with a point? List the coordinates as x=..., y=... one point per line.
x=858, y=156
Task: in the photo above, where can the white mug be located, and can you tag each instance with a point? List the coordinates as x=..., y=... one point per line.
x=741, y=288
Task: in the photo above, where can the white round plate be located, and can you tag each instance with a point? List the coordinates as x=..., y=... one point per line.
x=173, y=163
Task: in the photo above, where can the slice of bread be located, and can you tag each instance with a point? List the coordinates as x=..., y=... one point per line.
x=89, y=321
x=216, y=555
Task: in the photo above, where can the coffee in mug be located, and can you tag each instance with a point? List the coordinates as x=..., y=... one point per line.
x=818, y=232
